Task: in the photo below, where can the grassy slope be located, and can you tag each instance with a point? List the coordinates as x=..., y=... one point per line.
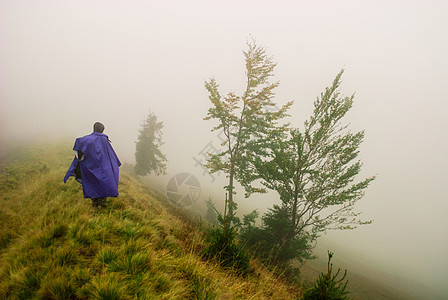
x=55, y=245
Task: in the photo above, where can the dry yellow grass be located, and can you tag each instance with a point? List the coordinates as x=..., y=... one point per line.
x=55, y=245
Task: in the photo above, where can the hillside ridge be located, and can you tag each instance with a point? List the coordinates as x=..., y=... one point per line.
x=55, y=245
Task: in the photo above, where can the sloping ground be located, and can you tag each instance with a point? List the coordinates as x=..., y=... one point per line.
x=362, y=285
x=55, y=245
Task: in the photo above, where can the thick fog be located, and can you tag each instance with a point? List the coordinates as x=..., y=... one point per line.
x=66, y=64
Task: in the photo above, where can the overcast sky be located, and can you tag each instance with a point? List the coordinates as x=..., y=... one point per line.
x=66, y=64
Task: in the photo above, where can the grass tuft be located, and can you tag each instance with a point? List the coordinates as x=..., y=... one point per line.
x=107, y=255
x=108, y=287
x=57, y=285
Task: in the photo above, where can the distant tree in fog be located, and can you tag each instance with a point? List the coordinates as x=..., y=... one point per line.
x=244, y=120
x=148, y=155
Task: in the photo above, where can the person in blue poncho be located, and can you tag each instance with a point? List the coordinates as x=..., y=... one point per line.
x=95, y=166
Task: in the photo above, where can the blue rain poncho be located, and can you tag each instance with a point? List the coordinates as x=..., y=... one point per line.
x=98, y=166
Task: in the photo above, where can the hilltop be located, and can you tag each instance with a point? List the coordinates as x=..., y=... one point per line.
x=55, y=245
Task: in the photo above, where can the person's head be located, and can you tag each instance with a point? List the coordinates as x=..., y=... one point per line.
x=98, y=127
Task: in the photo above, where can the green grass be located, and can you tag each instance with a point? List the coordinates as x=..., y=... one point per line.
x=55, y=245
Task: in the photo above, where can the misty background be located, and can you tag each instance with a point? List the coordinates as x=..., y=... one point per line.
x=67, y=64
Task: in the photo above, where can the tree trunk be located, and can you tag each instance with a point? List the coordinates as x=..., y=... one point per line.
x=230, y=189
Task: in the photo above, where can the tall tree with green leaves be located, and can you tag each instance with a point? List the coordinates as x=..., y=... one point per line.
x=243, y=120
x=148, y=155
x=314, y=172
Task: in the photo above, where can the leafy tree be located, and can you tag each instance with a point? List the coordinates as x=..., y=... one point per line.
x=314, y=171
x=243, y=119
x=327, y=287
x=266, y=241
x=148, y=156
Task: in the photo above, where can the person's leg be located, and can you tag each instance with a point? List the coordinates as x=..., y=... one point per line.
x=95, y=202
x=102, y=202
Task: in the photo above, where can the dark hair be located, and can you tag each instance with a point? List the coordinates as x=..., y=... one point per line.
x=98, y=127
